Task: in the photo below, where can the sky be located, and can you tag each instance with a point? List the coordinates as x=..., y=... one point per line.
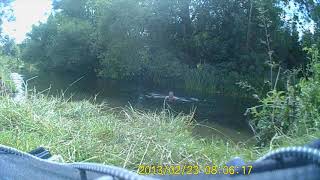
x=290, y=10
x=27, y=13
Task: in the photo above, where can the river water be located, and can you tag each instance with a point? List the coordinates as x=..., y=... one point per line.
x=217, y=116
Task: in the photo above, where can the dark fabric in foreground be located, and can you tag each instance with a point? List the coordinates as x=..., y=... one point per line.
x=18, y=165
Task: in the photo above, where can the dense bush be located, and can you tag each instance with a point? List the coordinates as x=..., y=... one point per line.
x=309, y=98
x=274, y=116
x=295, y=111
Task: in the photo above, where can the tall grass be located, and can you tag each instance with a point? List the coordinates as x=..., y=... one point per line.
x=200, y=81
x=82, y=131
x=208, y=80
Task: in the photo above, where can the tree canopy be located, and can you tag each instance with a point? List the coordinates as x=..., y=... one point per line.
x=126, y=39
x=5, y=12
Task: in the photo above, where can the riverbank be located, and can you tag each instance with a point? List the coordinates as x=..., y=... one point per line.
x=82, y=131
x=217, y=114
x=85, y=131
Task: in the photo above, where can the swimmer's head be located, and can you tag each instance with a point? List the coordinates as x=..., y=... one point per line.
x=171, y=96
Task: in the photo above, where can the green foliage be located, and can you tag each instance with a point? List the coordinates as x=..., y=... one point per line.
x=8, y=65
x=121, y=48
x=9, y=47
x=309, y=112
x=293, y=112
x=5, y=12
x=275, y=115
x=162, y=40
x=62, y=44
x=206, y=79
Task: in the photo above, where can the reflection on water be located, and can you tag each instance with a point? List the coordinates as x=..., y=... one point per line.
x=217, y=115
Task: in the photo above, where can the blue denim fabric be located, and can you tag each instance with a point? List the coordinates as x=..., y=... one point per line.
x=16, y=165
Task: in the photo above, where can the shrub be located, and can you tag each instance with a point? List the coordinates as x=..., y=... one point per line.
x=309, y=99
x=7, y=64
x=293, y=112
x=274, y=116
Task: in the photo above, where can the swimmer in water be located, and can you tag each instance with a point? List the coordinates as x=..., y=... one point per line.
x=171, y=97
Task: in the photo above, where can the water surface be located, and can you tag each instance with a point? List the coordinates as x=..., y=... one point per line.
x=218, y=115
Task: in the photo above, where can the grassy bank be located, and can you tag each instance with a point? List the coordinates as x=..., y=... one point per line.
x=84, y=131
x=81, y=131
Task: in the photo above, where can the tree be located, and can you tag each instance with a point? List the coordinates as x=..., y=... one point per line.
x=9, y=47
x=5, y=12
x=128, y=39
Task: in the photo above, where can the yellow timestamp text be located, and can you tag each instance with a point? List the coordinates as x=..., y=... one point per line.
x=168, y=170
x=228, y=170
x=193, y=170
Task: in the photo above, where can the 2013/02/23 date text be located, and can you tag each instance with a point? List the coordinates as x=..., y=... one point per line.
x=192, y=170
x=168, y=170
